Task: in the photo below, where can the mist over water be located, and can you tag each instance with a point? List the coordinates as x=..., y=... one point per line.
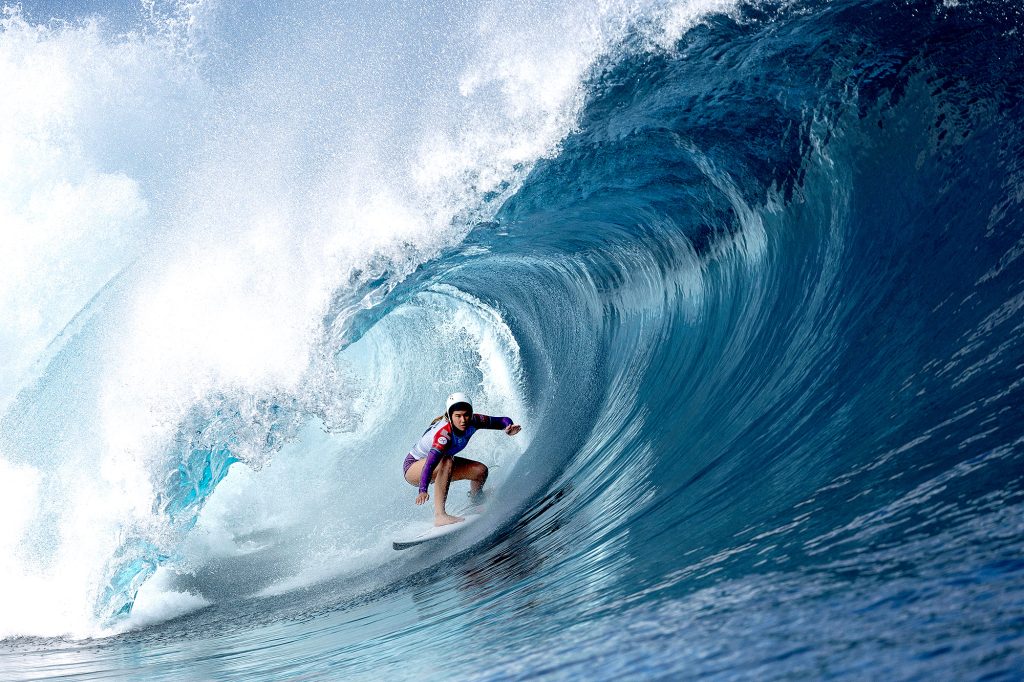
x=748, y=274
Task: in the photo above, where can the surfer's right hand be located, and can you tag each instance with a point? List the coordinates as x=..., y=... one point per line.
x=422, y=497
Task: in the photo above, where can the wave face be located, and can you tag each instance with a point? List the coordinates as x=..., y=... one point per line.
x=750, y=275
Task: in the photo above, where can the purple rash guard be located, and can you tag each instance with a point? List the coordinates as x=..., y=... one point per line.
x=441, y=440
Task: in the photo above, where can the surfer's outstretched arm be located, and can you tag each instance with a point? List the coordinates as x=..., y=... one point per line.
x=482, y=421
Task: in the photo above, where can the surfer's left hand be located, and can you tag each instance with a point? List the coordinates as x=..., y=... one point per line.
x=513, y=429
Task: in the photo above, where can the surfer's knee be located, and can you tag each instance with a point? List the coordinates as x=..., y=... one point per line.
x=481, y=472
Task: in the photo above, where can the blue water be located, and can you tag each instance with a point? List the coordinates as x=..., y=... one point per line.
x=757, y=302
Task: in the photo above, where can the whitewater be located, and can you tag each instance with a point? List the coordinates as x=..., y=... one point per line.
x=749, y=275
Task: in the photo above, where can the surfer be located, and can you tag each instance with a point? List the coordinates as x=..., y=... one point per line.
x=433, y=460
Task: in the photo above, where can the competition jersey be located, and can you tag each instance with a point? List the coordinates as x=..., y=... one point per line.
x=440, y=440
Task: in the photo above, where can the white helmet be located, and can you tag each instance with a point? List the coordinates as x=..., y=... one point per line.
x=456, y=399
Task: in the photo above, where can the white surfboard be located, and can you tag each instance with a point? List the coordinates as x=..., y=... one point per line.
x=420, y=533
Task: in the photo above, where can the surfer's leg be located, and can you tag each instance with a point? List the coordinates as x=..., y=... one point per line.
x=414, y=471
x=477, y=474
x=470, y=470
x=442, y=479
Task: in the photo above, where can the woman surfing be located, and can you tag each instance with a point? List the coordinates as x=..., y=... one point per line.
x=432, y=459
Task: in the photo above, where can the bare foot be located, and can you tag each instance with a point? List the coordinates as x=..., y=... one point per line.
x=447, y=519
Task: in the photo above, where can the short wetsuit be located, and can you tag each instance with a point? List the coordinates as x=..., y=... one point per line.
x=440, y=440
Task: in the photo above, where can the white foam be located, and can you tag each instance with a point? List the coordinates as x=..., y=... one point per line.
x=674, y=19
x=43, y=597
x=157, y=602
x=19, y=493
x=67, y=224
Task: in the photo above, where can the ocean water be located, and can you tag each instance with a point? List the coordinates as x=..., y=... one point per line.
x=749, y=274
